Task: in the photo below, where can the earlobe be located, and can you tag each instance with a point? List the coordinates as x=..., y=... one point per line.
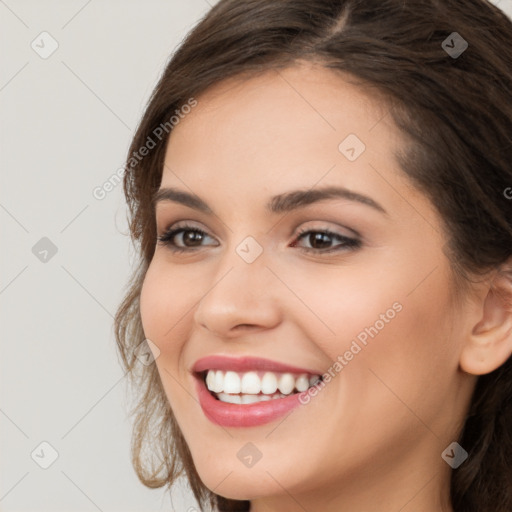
x=489, y=343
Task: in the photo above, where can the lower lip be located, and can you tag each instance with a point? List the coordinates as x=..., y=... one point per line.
x=244, y=415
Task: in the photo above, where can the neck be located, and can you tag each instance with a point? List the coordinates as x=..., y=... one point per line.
x=415, y=485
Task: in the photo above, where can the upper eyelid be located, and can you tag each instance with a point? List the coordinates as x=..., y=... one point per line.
x=163, y=208
x=188, y=225
x=181, y=226
x=167, y=226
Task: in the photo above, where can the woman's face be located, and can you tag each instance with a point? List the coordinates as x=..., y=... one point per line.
x=369, y=304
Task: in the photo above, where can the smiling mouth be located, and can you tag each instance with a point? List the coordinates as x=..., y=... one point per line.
x=255, y=386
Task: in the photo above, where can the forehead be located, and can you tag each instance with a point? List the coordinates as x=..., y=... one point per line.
x=318, y=98
x=281, y=125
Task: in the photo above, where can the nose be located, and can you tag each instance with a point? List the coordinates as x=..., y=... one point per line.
x=241, y=296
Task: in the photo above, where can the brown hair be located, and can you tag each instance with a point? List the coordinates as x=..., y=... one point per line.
x=456, y=112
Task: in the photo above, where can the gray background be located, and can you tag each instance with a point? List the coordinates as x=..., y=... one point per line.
x=66, y=123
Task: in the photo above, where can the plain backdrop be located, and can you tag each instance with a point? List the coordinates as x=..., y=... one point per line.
x=66, y=120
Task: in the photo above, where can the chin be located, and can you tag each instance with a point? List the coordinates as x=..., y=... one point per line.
x=246, y=485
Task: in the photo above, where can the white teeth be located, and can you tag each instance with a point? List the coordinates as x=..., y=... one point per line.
x=269, y=383
x=210, y=381
x=218, y=383
x=302, y=383
x=253, y=383
x=249, y=399
x=246, y=399
x=286, y=383
x=231, y=382
x=231, y=399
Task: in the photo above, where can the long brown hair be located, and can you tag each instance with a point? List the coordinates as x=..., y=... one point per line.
x=456, y=112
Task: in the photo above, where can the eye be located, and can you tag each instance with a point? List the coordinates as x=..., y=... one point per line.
x=187, y=238
x=190, y=236
x=321, y=241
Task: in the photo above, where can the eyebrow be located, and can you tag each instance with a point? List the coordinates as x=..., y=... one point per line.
x=281, y=203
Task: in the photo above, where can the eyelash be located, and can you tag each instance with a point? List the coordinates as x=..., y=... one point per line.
x=347, y=243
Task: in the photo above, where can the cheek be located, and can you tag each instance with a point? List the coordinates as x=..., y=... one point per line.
x=413, y=359
x=152, y=300
x=382, y=324
x=163, y=303
x=341, y=305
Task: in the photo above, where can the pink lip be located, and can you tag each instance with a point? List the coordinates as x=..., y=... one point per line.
x=245, y=415
x=246, y=363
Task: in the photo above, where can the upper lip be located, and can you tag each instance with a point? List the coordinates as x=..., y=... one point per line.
x=246, y=363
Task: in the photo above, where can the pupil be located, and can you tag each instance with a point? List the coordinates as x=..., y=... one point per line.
x=319, y=238
x=193, y=236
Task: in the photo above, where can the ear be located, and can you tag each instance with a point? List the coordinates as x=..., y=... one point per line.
x=489, y=343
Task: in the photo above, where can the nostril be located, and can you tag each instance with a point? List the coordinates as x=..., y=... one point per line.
x=244, y=326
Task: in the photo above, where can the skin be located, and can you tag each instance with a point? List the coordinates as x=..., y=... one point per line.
x=372, y=439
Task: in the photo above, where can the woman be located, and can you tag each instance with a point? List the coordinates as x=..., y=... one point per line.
x=320, y=202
